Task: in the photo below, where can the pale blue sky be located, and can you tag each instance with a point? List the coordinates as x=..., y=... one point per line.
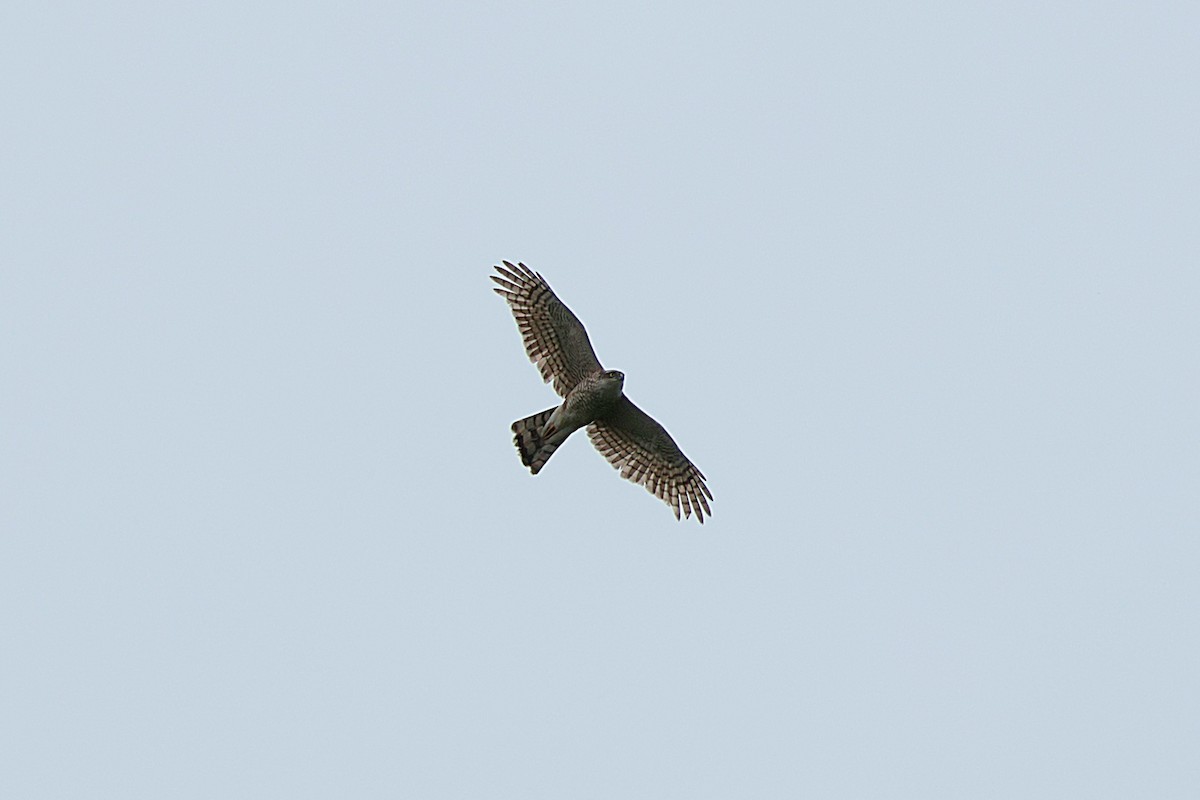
x=915, y=286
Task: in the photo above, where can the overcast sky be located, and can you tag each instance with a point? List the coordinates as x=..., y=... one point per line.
x=915, y=286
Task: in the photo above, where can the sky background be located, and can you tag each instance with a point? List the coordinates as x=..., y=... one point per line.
x=916, y=286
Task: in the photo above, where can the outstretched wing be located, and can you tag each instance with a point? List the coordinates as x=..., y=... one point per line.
x=554, y=337
x=646, y=454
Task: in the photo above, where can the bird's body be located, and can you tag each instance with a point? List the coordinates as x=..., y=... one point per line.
x=593, y=398
x=630, y=439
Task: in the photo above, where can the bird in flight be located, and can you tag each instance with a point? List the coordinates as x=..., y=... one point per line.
x=593, y=396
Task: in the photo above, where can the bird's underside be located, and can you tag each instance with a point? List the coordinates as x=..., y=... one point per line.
x=631, y=440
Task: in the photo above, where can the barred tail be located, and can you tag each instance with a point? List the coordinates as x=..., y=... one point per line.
x=527, y=436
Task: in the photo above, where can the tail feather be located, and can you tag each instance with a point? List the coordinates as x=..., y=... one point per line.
x=527, y=436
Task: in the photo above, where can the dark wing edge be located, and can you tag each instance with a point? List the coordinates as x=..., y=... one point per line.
x=646, y=454
x=555, y=339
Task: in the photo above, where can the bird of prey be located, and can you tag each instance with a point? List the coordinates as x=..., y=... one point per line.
x=624, y=434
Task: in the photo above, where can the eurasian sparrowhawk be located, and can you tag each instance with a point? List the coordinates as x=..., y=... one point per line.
x=624, y=434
